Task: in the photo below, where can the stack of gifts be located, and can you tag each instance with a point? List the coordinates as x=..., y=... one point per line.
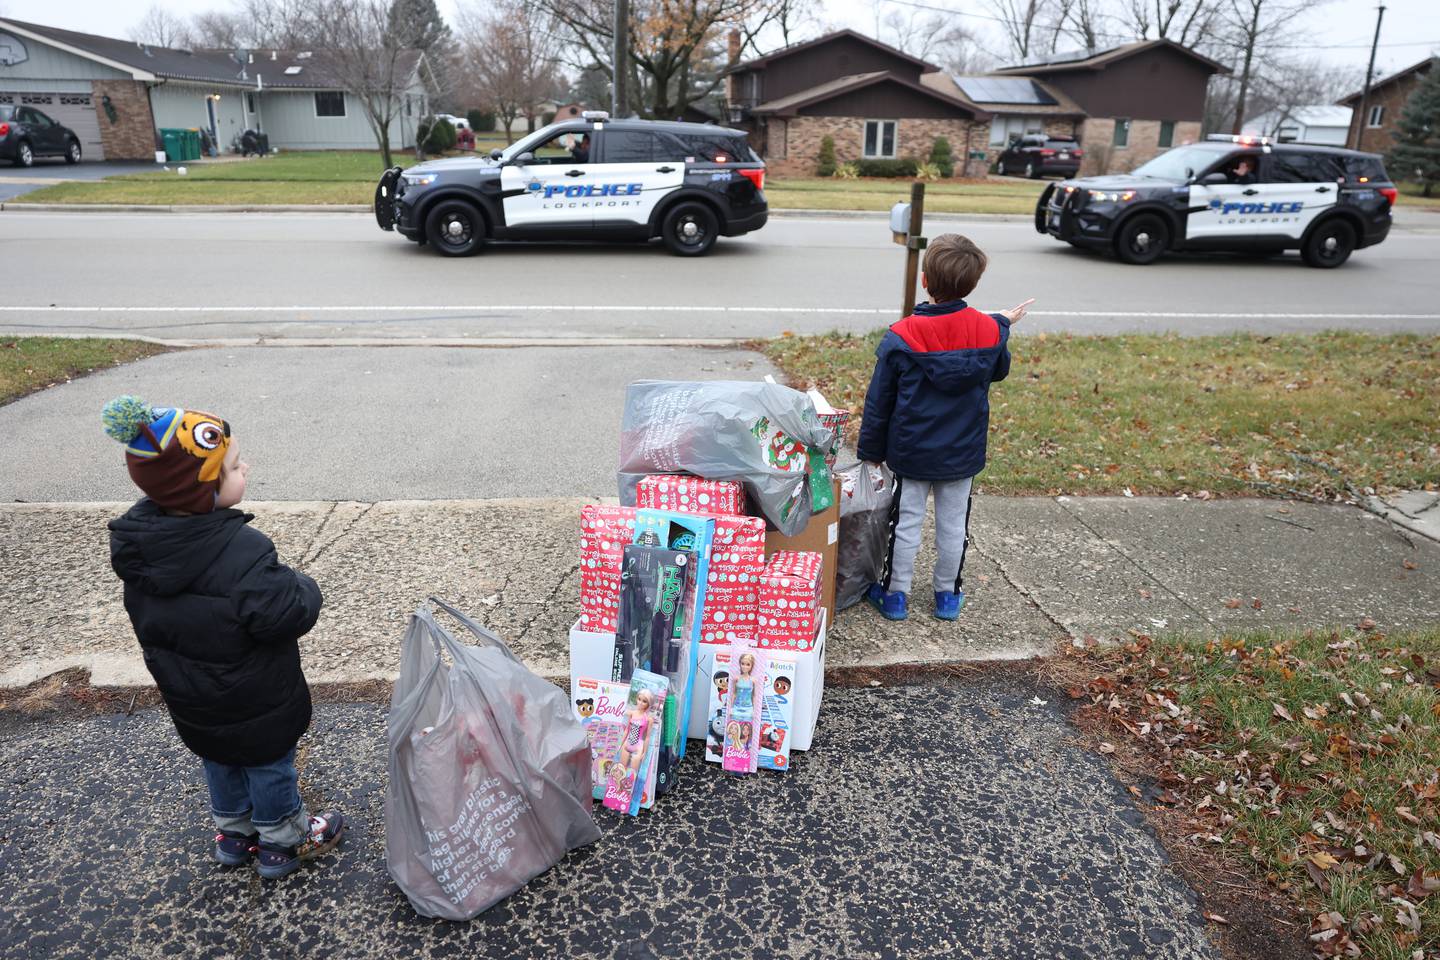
x=788, y=606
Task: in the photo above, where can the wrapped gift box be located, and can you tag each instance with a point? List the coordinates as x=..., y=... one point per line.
x=737, y=558
x=604, y=532
x=686, y=494
x=789, y=601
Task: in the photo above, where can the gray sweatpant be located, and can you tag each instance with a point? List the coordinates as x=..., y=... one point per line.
x=952, y=523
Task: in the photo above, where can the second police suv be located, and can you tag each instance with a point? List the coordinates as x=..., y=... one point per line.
x=1228, y=193
x=593, y=178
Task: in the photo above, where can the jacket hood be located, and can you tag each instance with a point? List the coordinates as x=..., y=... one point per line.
x=950, y=370
x=162, y=554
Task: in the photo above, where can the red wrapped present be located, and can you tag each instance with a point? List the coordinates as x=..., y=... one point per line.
x=737, y=558
x=788, y=604
x=604, y=531
x=685, y=494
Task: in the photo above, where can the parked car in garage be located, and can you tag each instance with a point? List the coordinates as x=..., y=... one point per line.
x=26, y=133
x=1036, y=155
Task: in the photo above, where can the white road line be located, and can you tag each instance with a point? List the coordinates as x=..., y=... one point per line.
x=694, y=308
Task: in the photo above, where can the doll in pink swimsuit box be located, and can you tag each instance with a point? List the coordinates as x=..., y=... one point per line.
x=631, y=781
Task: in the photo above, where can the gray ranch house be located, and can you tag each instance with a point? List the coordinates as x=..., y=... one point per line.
x=115, y=94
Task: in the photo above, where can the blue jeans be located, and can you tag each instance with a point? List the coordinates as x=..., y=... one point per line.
x=263, y=800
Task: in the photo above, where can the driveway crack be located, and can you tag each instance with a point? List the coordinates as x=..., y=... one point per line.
x=1018, y=588
x=354, y=521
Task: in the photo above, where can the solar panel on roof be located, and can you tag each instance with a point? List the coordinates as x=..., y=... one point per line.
x=1017, y=90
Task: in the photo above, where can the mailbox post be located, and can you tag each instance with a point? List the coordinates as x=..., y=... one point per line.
x=906, y=222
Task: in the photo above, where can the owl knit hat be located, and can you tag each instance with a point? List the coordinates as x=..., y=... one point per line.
x=173, y=455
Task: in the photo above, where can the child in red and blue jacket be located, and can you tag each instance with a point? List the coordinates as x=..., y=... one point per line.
x=927, y=413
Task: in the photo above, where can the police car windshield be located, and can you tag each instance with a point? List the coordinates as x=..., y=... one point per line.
x=1180, y=163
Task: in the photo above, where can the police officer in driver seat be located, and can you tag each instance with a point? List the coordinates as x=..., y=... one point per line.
x=1243, y=171
x=580, y=151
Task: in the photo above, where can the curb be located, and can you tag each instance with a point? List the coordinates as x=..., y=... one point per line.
x=20, y=206
x=480, y=343
x=1399, y=518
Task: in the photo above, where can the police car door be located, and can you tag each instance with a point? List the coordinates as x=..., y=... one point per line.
x=544, y=191
x=637, y=169
x=1217, y=203
x=1297, y=186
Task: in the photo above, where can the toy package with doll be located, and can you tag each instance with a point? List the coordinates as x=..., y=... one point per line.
x=600, y=705
x=630, y=781
x=742, y=711
x=777, y=712
x=719, y=695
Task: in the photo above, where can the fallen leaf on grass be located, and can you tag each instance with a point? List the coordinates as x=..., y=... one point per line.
x=1255, y=602
x=1107, y=748
x=1281, y=712
x=1404, y=813
x=1323, y=860
x=1217, y=918
x=1366, y=624
x=1422, y=884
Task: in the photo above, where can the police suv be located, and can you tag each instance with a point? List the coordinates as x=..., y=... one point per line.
x=592, y=178
x=1228, y=193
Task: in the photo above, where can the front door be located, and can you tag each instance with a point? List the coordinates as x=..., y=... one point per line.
x=1228, y=208
x=547, y=191
x=637, y=169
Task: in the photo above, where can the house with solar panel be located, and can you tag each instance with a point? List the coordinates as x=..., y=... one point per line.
x=1124, y=104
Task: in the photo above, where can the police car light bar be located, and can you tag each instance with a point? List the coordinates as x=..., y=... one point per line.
x=1243, y=139
x=595, y=115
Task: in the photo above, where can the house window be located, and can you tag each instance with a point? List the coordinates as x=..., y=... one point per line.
x=329, y=103
x=879, y=139
x=1377, y=116
x=1167, y=133
x=1003, y=129
x=1122, y=132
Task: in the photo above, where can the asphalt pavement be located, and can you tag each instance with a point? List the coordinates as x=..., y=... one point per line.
x=931, y=821
x=15, y=181
x=338, y=275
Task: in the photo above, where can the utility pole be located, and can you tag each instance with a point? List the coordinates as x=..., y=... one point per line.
x=619, y=102
x=914, y=243
x=1360, y=119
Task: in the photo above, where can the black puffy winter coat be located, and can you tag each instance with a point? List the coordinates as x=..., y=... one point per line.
x=218, y=617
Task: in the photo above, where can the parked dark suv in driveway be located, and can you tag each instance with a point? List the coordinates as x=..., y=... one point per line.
x=26, y=133
x=1036, y=155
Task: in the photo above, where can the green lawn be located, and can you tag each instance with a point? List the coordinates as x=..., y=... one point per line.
x=1413, y=195
x=28, y=364
x=1307, y=416
x=1307, y=758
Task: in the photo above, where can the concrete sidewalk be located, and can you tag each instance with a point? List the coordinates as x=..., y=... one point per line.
x=1040, y=570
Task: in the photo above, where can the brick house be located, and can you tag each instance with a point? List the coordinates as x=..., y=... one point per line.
x=1375, y=130
x=1137, y=99
x=1125, y=104
x=115, y=94
x=864, y=94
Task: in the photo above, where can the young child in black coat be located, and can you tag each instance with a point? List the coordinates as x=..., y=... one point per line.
x=219, y=618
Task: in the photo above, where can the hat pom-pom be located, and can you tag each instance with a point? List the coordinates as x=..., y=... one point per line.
x=124, y=416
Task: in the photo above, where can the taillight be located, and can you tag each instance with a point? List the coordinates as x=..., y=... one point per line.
x=1047, y=153
x=1077, y=152
x=756, y=177
x=1390, y=193
x=4, y=129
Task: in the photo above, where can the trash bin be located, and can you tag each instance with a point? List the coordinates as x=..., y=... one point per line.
x=192, y=144
x=173, y=141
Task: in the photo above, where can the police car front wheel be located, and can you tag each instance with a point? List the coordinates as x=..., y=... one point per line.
x=1142, y=239
x=455, y=228
x=690, y=229
x=1330, y=244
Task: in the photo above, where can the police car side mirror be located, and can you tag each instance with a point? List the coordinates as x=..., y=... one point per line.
x=496, y=154
x=524, y=158
x=1211, y=179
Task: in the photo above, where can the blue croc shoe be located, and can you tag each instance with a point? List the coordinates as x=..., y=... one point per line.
x=948, y=605
x=892, y=606
x=235, y=849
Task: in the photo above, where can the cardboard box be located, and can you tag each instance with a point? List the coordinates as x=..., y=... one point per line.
x=591, y=654
x=821, y=535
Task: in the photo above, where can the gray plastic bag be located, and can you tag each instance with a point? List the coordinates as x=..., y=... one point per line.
x=489, y=772
x=765, y=435
x=866, y=495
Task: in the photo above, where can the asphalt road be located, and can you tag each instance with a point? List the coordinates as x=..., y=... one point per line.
x=338, y=275
x=927, y=822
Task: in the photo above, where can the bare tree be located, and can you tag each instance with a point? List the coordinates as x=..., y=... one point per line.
x=1186, y=22
x=1023, y=23
x=366, y=60
x=291, y=24
x=934, y=37
x=161, y=28
x=1249, y=28
x=1285, y=86
x=220, y=29
x=511, y=53
x=678, y=52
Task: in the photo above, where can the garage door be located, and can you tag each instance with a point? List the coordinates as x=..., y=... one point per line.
x=73, y=110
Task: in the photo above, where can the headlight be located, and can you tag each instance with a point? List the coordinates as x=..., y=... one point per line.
x=420, y=179
x=1107, y=196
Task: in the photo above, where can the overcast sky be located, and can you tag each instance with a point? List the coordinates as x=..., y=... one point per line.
x=1339, y=31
